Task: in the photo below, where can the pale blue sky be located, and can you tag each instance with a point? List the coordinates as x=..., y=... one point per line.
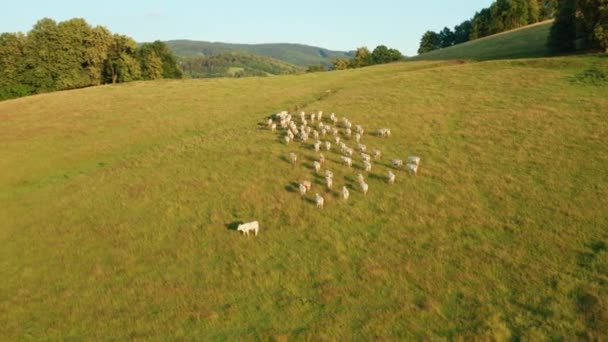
x=336, y=25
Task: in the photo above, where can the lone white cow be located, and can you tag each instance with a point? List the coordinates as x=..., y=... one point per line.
x=247, y=227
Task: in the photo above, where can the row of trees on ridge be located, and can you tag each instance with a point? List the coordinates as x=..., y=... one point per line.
x=502, y=15
x=363, y=57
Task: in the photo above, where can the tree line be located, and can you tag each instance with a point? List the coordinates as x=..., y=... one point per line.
x=73, y=54
x=580, y=25
x=234, y=64
x=363, y=57
x=502, y=15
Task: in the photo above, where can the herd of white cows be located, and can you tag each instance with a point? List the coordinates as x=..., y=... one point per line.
x=326, y=133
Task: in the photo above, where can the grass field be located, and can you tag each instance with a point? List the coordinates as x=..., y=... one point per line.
x=526, y=42
x=117, y=204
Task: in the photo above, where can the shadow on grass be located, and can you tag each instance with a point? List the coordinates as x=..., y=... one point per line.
x=233, y=225
x=310, y=200
x=293, y=187
x=377, y=177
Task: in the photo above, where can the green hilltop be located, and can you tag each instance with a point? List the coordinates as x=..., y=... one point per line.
x=526, y=42
x=297, y=54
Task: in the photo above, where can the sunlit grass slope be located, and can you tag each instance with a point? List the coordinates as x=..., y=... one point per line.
x=526, y=42
x=116, y=203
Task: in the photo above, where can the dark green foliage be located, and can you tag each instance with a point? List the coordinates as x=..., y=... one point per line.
x=72, y=54
x=170, y=65
x=12, y=46
x=462, y=32
x=446, y=37
x=316, y=68
x=563, y=31
x=383, y=54
x=430, y=41
x=592, y=75
x=121, y=64
x=580, y=25
x=235, y=65
x=363, y=57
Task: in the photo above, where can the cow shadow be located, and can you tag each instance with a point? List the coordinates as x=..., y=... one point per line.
x=233, y=225
x=377, y=176
x=293, y=187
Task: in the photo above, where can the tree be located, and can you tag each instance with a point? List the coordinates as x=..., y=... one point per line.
x=395, y=55
x=380, y=55
x=341, y=63
x=533, y=11
x=12, y=66
x=71, y=57
x=592, y=23
x=151, y=65
x=563, y=31
x=170, y=66
x=363, y=57
x=482, y=24
x=462, y=32
x=316, y=68
x=430, y=41
x=121, y=65
x=548, y=9
x=446, y=37
x=41, y=56
x=97, y=45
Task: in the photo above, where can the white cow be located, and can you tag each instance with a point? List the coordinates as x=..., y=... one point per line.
x=348, y=161
x=293, y=158
x=327, y=145
x=376, y=153
x=303, y=189
x=364, y=187
x=317, y=166
x=397, y=162
x=391, y=178
x=307, y=184
x=329, y=181
x=413, y=160
x=247, y=227
x=319, y=200
x=412, y=168
x=345, y=193
x=368, y=166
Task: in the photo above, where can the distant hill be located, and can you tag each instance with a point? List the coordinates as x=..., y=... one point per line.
x=297, y=54
x=525, y=42
x=235, y=64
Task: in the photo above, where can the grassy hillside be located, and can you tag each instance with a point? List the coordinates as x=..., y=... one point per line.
x=118, y=203
x=298, y=54
x=526, y=42
x=235, y=64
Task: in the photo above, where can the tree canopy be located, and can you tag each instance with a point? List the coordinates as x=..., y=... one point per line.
x=580, y=25
x=72, y=54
